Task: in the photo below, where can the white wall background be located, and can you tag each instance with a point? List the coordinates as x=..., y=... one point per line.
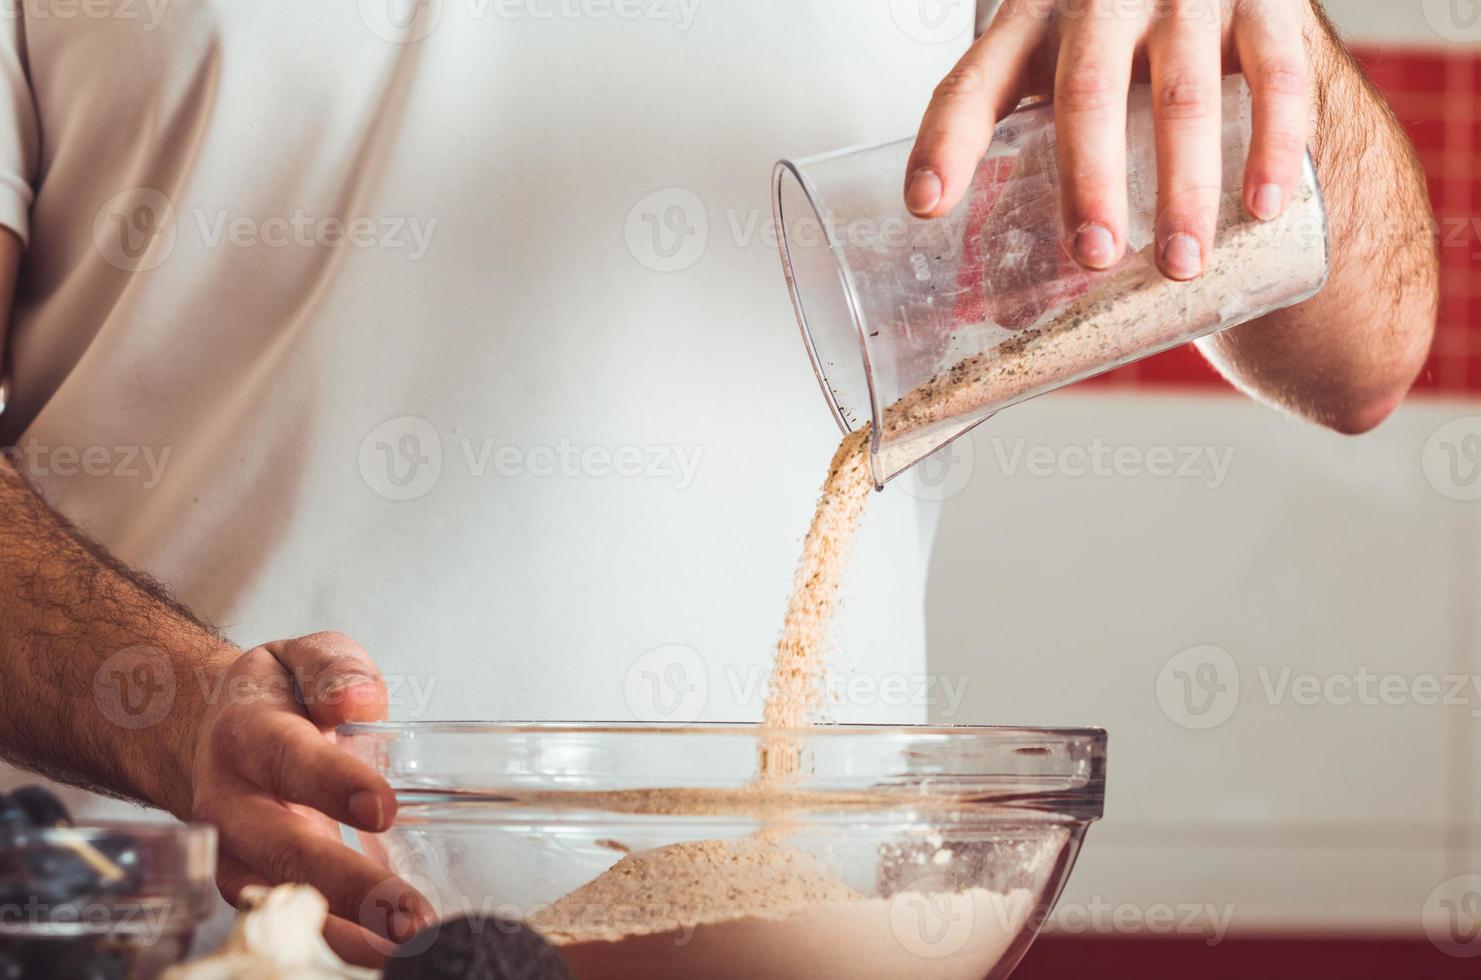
x=1060, y=599
x=1405, y=22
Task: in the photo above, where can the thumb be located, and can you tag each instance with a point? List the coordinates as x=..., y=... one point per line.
x=338, y=681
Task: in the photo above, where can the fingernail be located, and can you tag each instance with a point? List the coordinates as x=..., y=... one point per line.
x=366, y=808
x=924, y=192
x=1182, y=256
x=1268, y=201
x=1095, y=246
x=421, y=918
x=354, y=687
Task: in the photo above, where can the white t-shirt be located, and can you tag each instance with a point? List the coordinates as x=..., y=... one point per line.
x=456, y=326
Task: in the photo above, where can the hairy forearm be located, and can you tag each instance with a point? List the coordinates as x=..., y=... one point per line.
x=1346, y=357
x=105, y=677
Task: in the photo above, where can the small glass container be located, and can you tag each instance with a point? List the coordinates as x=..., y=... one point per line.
x=923, y=329
x=120, y=900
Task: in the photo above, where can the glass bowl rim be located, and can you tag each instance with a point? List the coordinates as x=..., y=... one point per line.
x=729, y=728
x=856, y=767
x=96, y=830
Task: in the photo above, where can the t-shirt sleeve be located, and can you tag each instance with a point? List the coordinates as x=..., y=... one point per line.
x=19, y=138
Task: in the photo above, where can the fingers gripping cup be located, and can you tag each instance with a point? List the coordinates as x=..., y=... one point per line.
x=922, y=329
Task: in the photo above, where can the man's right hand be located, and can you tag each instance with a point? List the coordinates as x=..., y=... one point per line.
x=267, y=774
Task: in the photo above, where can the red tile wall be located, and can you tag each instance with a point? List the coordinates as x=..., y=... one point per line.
x=1436, y=95
x=1314, y=958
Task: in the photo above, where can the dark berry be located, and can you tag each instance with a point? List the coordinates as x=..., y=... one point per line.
x=478, y=948
x=87, y=962
x=42, y=806
x=56, y=873
x=38, y=957
x=14, y=821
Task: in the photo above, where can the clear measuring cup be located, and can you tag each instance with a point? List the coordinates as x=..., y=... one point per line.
x=922, y=329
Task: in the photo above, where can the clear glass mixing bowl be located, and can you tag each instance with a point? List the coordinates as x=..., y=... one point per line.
x=886, y=852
